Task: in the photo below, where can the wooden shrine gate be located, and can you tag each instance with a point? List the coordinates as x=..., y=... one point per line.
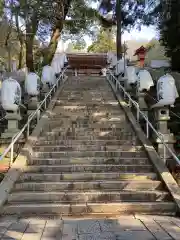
x=87, y=64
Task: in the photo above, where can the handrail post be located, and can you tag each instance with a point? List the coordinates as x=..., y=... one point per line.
x=45, y=104
x=147, y=128
x=27, y=134
x=38, y=116
x=137, y=113
x=164, y=153
x=116, y=85
x=12, y=154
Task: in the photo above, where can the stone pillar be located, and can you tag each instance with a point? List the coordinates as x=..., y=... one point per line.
x=142, y=104
x=45, y=88
x=65, y=77
x=44, y=91
x=32, y=104
x=13, y=122
x=162, y=117
x=122, y=81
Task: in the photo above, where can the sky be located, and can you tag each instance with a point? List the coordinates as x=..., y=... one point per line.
x=146, y=33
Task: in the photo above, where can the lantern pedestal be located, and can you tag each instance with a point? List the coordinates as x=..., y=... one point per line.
x=65, y=77
x=13, y=122
x=142, y=104
x=45, y=88
x=162, y=117
x=33, y=104
x=44, y=91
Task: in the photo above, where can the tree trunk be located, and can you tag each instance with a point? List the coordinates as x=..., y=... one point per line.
x=29, y=53
x=20, y=56
x=118, y=36
x=50, y=51
x=175, y=61
x=49, y=54
x=21, y=40
x=9, y=58
x=31, y=28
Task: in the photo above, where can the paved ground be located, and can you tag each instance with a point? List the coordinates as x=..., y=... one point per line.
x=122, y=228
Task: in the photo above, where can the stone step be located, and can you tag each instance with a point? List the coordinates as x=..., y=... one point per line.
x=88, y=160
x=110, y=118
x=90, y=103
x=88, y=142
x=90, y=154
x=88, y=126
x=86, y=134
x=86, y=92
x=88, y=168
x=59, y=131
x=116, y=185
x=90, y=196
x=53, y=177
x=93, y=107
x=161, y=208
x=84, y=147
x=92, y=112
x=86, y=121
x=64, y=137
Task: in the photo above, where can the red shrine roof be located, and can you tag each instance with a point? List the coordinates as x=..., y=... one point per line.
x=142, y=49
x=87, y=60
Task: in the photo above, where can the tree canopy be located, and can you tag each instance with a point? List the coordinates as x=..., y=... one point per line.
x=169, y=26
x=46, y=21
x=105, y=42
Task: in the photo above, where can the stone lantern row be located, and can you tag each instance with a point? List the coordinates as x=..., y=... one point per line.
x=11, y=94
x=138, y=81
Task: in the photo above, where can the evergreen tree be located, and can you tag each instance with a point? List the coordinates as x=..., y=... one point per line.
x=105, y=42
x=169, y=26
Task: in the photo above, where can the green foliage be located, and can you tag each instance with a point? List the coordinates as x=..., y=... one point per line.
x=1, y=7
x=80, y=17
x=151, y=44
x=132, y=13
x=79, y=45
x=155, y=51
x=105, y=42
x=49, y=19
x=9, y=44
x=170, y=31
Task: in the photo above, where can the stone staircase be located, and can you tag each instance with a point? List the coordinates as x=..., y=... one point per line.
x=88, y=160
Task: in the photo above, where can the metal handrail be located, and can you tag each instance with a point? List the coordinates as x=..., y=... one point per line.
x=30, y=118
x=148, y=124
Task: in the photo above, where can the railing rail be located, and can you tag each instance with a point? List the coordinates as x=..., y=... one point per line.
x=139, y=114
x=32, y=116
